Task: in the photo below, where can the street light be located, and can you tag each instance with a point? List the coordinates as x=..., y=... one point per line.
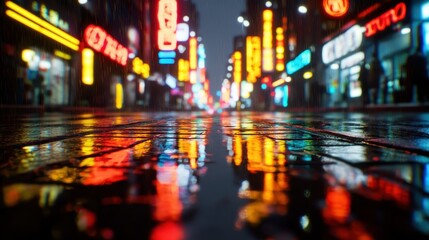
x=243, y=21
x=246, y=23
x=302, y=9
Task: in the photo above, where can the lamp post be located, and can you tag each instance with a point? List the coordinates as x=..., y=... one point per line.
x=245, y=23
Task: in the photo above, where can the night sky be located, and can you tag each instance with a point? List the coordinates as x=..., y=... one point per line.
x=218, y=26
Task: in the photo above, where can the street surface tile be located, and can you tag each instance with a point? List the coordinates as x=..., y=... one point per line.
x=223, y=176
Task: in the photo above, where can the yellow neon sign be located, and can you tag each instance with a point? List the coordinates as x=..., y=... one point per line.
x=28, y=19
x=62, y=55
x=183, y=74
x=253, y=58
x=237, y=66
x=141, y=68
x=119, y=96
x=267, y=41
x=87, y=66
x=279, y=82
x=280, y=50
x=193, y=53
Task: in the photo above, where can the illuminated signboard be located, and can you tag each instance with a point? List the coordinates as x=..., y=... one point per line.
x=182, y=32
x=280, y=50
x=202, y=75
x=193, y=76
x=30, y=20
x=87, y=66
x=167, y=19
x=302, y=60
x=141, y=68
x=193, y=53
x=342, y=45
x=50, y=15
x=336, y=8
x=201, y=56
x=267, y=41
x=253, y=58
x=167, y=39
x=385, y=20
x=352, y=60
x=183, y=67
x=102, y=42
x=119, y=92
x=237, y=66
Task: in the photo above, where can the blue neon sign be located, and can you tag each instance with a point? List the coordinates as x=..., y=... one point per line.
x=302, y=60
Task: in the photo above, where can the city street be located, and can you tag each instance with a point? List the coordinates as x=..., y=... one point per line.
x=194, y=175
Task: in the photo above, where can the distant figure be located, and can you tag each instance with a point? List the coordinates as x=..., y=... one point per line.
x=416, y=68
x=39, y=85
x=363, y=78
x=375, y=73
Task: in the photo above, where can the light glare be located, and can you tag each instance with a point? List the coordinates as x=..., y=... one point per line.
x=405, y=30
x=302, y=9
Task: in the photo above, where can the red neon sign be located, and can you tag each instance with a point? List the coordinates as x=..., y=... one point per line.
x=101, y=41
x=167, y=18
x=386, y=19
x=336, y=8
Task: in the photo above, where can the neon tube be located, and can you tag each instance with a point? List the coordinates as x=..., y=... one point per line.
x=39, y=25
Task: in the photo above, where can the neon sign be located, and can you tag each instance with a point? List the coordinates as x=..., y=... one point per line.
x=267, y=41
x=141, y=68
x=193, y=53
x=342, y=45
x=167, y=19
x=392, y=16
x=280, y=50
x=101, y=41
x=237, y=66
x=87, y=66
x=30, y=20
x=50, y=15
x=336, y=8
x=299, y=62
x=183, y=68
x=253, y=58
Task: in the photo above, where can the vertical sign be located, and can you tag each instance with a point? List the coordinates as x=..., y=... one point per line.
x=237, y=66
x=87, y=66
x=193, y=59
x=183, y=67
x=253, y=58
x=267, y=41
x=167, y=42
x=280, y=50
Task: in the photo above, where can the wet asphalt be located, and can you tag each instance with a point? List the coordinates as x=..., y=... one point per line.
x=337, y=175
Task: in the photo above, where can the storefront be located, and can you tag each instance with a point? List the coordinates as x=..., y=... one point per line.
x=100, y=87
x=389, y=33
x=39, y=44
x=301, y=79
x=342, y=57
x=381, y=31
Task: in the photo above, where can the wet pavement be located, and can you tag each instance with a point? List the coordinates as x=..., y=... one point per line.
x=230, y=176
